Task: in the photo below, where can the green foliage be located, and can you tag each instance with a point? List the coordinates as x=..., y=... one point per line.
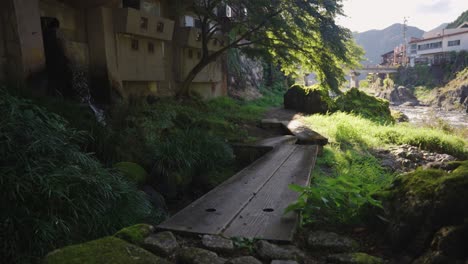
x=388, y=83
x=56, y=194
x=460, y=20
x=343, y=183
x=104, y=250
x=347, y=175
x=322, y=91
x=364, y=84
x=293, y=34
x=135, y=234
x=367, y=106
x=134, y=172
x=428, y=139
x=424, y=183
x=245, y=243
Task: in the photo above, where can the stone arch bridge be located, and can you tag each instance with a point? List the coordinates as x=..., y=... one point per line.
x=377, y=69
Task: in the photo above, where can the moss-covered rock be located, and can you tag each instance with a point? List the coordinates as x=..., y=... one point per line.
x=354, y=258
x=133, y=172
x=367, y=106
x=308, y=99
x=135, y=234
x=421, y=202
x=110, y=250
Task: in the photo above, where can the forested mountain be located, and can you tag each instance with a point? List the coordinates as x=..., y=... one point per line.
x=460, y=20
x=378, y=42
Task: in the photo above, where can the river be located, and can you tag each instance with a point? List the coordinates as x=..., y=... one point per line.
x=423, y=114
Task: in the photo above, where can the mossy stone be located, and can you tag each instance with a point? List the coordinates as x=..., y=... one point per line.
x=354, y=258
x=133, y=172
x=135, y=234
x=423, y=201
x=105, y=250
x=367, y=106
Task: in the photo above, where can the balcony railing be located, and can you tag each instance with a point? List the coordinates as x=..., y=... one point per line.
x=134, y=22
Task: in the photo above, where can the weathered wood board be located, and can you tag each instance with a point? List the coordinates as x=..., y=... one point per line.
x=261, y=186
x=264, y=217
x=211, y=213
x=277, y=141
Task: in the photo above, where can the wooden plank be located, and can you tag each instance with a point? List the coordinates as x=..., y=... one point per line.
x=264, y=217
x=305, y=135
x=276, y=141
x=212, y=212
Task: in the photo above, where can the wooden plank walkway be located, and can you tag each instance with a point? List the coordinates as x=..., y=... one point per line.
x=252, y=202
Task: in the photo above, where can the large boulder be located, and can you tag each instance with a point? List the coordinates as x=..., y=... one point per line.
x=309, y=100
x=163, y=243
x=193, y=255
x=367, y=106
x=135, y=234
x=109, y=250
x=420, y=203
x=329, y=241
x=398, y=96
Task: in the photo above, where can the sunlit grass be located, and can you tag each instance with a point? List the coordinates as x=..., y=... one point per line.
x=348, y=174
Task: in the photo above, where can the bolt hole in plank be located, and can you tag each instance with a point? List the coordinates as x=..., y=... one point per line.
x=268, y=210
x=210, y=210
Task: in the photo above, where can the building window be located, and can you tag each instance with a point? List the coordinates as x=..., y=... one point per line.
x=190, y=53
x=135, y=44
x=454, y=43
x=198, y=37
x=160, y=27
x=144, y=23
x=151, y=47
x=434, y=45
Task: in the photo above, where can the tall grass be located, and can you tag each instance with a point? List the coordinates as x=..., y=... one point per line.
x=53, y=193
x=348, y=174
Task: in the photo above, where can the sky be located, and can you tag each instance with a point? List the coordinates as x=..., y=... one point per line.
x=363, y=15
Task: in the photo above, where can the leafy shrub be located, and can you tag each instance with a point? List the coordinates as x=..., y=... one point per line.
x=338, y=198
x=53, y=193
x=134, y=172
x=189, y=153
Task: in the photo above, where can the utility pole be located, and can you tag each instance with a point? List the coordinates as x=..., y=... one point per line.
x=405, y=40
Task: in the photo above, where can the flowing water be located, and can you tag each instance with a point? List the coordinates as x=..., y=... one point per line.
x=424, y=114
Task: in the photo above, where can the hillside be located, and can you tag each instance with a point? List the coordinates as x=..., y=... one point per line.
x=378, y=42
x=460, y=20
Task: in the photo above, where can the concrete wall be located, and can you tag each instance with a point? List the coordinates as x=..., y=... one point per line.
x=94, y=38
x=23, y=50
x=140, y=59
x=463, y=42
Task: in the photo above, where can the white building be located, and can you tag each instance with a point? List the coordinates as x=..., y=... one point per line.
x=435, y=47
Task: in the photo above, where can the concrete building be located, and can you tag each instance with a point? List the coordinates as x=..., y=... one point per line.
x=436, y=47
x=128, y=48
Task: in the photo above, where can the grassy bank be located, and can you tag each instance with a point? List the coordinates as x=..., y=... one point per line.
x=348, y=174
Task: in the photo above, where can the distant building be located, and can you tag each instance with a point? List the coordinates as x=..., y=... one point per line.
x=130, y=48
x=395, y=57
x=388, y=58
x=436, y=47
